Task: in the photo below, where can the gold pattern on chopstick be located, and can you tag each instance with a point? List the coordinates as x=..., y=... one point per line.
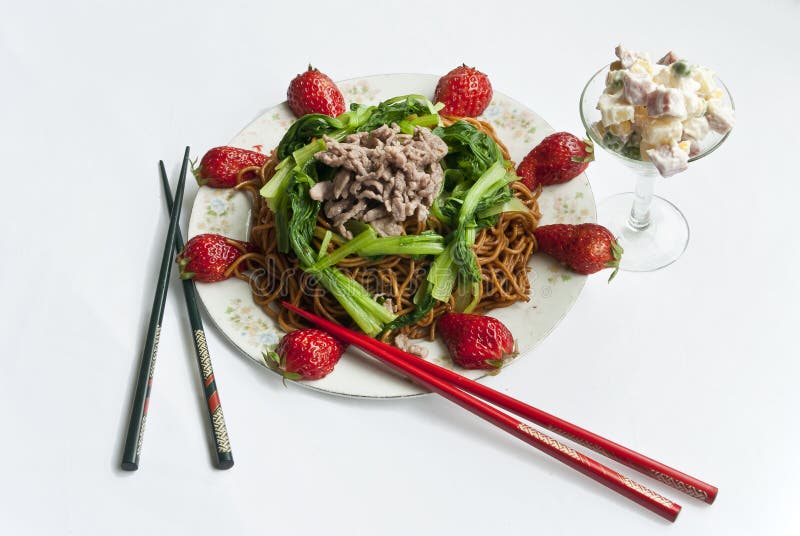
x=661, y=477
x=155, y=352
x=580, y=441
x=572, y=453
x=533, y=432
x=221, y=431
x=679, y=485
x=202, y=352
x=217, y=418
x=141, y=436
x=149, y=378
x=644, y=491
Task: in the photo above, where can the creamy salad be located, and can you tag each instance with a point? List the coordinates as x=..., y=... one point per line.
x=660, y=111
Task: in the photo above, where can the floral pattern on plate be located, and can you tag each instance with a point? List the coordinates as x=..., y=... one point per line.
x=509, y=115
x=570, y=208
x=219, y=211
x=216, y=211
x=359, y=91
x=248, y=319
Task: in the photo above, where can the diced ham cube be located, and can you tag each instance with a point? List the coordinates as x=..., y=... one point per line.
x=720, y=117
x=636, y=88
x=669, y=58
x=629, y=57
x=669, y=159
x=666, y=101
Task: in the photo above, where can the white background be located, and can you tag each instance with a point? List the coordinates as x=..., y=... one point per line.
x=695, y=365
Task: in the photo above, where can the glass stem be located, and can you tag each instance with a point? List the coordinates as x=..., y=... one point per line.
x=640, y=213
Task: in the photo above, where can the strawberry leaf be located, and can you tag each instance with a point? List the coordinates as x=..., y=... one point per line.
x=271, y=359
x=292, y=376
x=197, y=171
x=495, y=363
x=589, y=150
x=182, y=263
x=616, y=252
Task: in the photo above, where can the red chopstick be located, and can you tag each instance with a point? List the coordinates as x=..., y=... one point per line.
x=399, y=361
x=687, y=484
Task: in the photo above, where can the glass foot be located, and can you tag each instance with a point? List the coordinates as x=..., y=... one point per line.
x=658, y=245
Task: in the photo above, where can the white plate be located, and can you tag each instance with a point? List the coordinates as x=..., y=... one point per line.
x=553, y=289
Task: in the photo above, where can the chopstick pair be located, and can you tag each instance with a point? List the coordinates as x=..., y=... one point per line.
x=144, y=381
x=454, y=387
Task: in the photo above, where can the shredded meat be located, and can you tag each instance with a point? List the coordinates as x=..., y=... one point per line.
x=384, y=178
x=404, y=343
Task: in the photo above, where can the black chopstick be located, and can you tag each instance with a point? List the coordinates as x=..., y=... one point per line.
x=144, y=381
x=216, y=419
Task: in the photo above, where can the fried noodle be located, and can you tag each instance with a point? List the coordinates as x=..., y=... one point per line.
x=503, y=252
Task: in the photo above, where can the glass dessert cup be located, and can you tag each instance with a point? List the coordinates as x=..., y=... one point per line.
x=653, y=232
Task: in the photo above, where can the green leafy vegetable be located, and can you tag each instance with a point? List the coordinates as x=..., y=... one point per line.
x=476, y=191
x=275, y=190
x=512, y=205
x=304, y=216
x=343, y=251
x=406, y=107
x=425, y=243
x=370, y=316
x=304, y=130
x=326, y=240
x=470, y=152
x=442, y=274
x=281, y=212
x=485, y=188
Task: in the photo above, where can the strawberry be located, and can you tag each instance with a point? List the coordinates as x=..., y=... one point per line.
x=220, y=166
x=585, y=248
x=464, y=91
x=305, y=354
x=525, y=171
x=206, y=257
x=560, y=157
x=313, y=92
x=476, y=341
